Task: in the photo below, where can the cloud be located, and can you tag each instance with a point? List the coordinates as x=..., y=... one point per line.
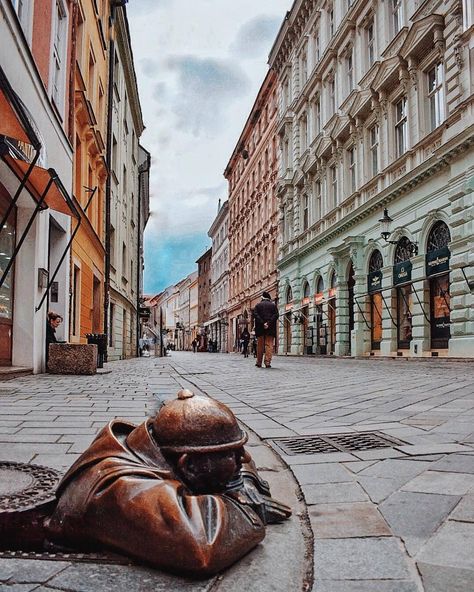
x=254, y=38
x=205, y=87
x=149, y=67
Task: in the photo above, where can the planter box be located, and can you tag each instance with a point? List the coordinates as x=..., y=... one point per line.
x=72, y=358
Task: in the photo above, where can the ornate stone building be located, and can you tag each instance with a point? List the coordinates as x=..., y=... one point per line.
x=125, y=228
x=204, y=297
x=218, y=233
x=252, y=172
x=376, y=111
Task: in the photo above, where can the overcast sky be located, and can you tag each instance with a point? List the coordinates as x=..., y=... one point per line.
x=199, y=65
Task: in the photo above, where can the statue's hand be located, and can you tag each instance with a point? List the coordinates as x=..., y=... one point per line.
x=246, y=491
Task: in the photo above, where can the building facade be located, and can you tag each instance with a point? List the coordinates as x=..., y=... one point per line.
x=90, y=75
x=204, y=298
x=218, y=233
x=35, y=175
x=376, y=112
x=253, y=215
x=125, y=199
x=186, y=311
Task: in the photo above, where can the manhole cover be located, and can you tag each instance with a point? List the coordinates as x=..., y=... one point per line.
x=335, y=443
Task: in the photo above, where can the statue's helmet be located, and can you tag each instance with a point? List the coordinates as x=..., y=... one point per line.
x=199, y=424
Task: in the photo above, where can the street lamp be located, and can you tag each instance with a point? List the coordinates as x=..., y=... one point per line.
x=385, y=233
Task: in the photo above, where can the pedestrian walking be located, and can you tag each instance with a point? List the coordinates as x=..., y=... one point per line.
x=245, y=339
x=194, y=344
x=253, y=339
x=265, y=316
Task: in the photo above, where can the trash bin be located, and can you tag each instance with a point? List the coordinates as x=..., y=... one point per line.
x=99, y=339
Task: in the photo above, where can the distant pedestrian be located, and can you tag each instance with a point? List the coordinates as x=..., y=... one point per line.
x=253, y=340
x=244, y=340
x=265, y=315
x=194, y=344
x=210, y=346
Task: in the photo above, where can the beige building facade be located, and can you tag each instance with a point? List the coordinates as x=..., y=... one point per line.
x=253, y=219
x=376, y=112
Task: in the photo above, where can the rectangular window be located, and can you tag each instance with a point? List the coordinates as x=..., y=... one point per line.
x=317, y=49
x=317, y=116
x=305, y=212
x=374, y=150
x=436, y=96
x=58, y=61
x=352, y=169
x=334, y=186
x=401, y=126
x=397, y=15
x=331, y=22
x=111, y=324
x=317, y=200
x=467, y=14
x=303, y=68
x=332, y=97
x=76, y=298
x=370, y=44
x=303, y=133
x=350, y=72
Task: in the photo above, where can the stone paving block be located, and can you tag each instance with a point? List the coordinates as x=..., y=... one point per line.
x=306, y=459
x=441, y=482
x=464, y=511
x=18, y=587
x=337, y=521
x=327, y=493
x=422, y=449
x=104, y=578
x=438, y=578
x=359, y=559
x=455, y=463
x=379, y=453
x=396, y=468
x=378, y=488
x=321, y=473
x=451, y=546
x=29, y=570
x=59, y=462
x=359, y=465
x=365, y=586
x=32, y=437
x=415, y=516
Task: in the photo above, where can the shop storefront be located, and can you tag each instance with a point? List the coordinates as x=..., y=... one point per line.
x=332, y=314
x=374, y=289
x=7, y=245
x=402, y=270
x=437, y=272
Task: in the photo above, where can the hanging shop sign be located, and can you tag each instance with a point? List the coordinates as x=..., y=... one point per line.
x=332, y=292
x=437, y=261
x=374, y=281
x=402, y=273
x=306, y=301
x=318, y=298
x=289, y=306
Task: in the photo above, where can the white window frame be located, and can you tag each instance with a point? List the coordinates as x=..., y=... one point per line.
x=374, y=132
x=352, y=165
x=435, y=95
x=334, y=189
x=467, y=14
x=317, y=200
x=401, y=126
x=24, y=12
x=305, y=212
x=58, y=61
x=331, y=96
x=317, y=115
x=350, y=70
x=396, y=7
x=370, y=40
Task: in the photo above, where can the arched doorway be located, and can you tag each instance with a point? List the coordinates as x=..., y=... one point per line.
x=287, y=321
x=332, y=313
x=307, y=330
x=321, y=328
x=374, y=285
x=350, y=301
x=437, y=270
x=402, y=279
x=7, y=246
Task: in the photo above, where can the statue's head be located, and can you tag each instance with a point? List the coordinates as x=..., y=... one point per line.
x=202, y=438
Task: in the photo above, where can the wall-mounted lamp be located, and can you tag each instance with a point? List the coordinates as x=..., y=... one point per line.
x=385, y=233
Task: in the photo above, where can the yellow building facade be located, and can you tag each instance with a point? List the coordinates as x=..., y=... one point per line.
x=90, y=80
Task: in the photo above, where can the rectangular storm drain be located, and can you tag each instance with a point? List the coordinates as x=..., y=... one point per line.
x=335, y=443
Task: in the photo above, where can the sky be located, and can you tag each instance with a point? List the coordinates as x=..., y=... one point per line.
x=199, y=64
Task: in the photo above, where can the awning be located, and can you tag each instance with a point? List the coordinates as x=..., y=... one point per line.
x=57, y=197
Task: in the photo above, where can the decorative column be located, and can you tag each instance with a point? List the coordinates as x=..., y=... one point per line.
x=342, y=308
x=296, y=326
x=420, y=327
x=360, y=334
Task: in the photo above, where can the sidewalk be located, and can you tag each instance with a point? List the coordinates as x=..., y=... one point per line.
x=393, y=519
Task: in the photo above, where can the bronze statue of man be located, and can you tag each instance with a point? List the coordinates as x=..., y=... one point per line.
x=179, y=491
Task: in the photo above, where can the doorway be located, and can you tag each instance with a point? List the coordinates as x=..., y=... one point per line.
x=7, y=246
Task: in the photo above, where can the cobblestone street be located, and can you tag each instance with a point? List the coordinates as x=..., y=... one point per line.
x=393, y=519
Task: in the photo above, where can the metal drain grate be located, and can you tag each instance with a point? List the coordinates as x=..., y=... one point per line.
x=335, y=443
x=73, y=556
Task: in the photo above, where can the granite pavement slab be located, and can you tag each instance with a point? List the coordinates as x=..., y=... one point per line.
x=337, y=521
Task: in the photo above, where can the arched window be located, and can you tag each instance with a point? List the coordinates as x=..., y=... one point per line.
x=289, y=294
x=306, y=290
x=402, y=250
x=320, y=285
x=439, y=236
x=376, y=261
x=333, y=279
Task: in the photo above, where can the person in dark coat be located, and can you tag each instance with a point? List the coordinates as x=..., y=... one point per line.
x=265, y=316
x=53, y=322
x=245, y=339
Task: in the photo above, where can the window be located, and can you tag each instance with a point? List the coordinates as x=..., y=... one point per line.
x=317, y=200
x=374, y=150
x=401, y=126
x=124, y=261
x=303, y=133
x=112, y=246
x=91, y=77
x=436, y=96
x=317, y=49
x=397, y=15
x=303, y=68
x=317, y=116
x=58, y=61
x=332, y=96
x=331, y=22
x=370, y=44
x=76, y=297
x=333, y=176
x=111, y=324
x=305, y=212
x=350, y=71
x=352, y=169
x=467, y=13
x=114, y=155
